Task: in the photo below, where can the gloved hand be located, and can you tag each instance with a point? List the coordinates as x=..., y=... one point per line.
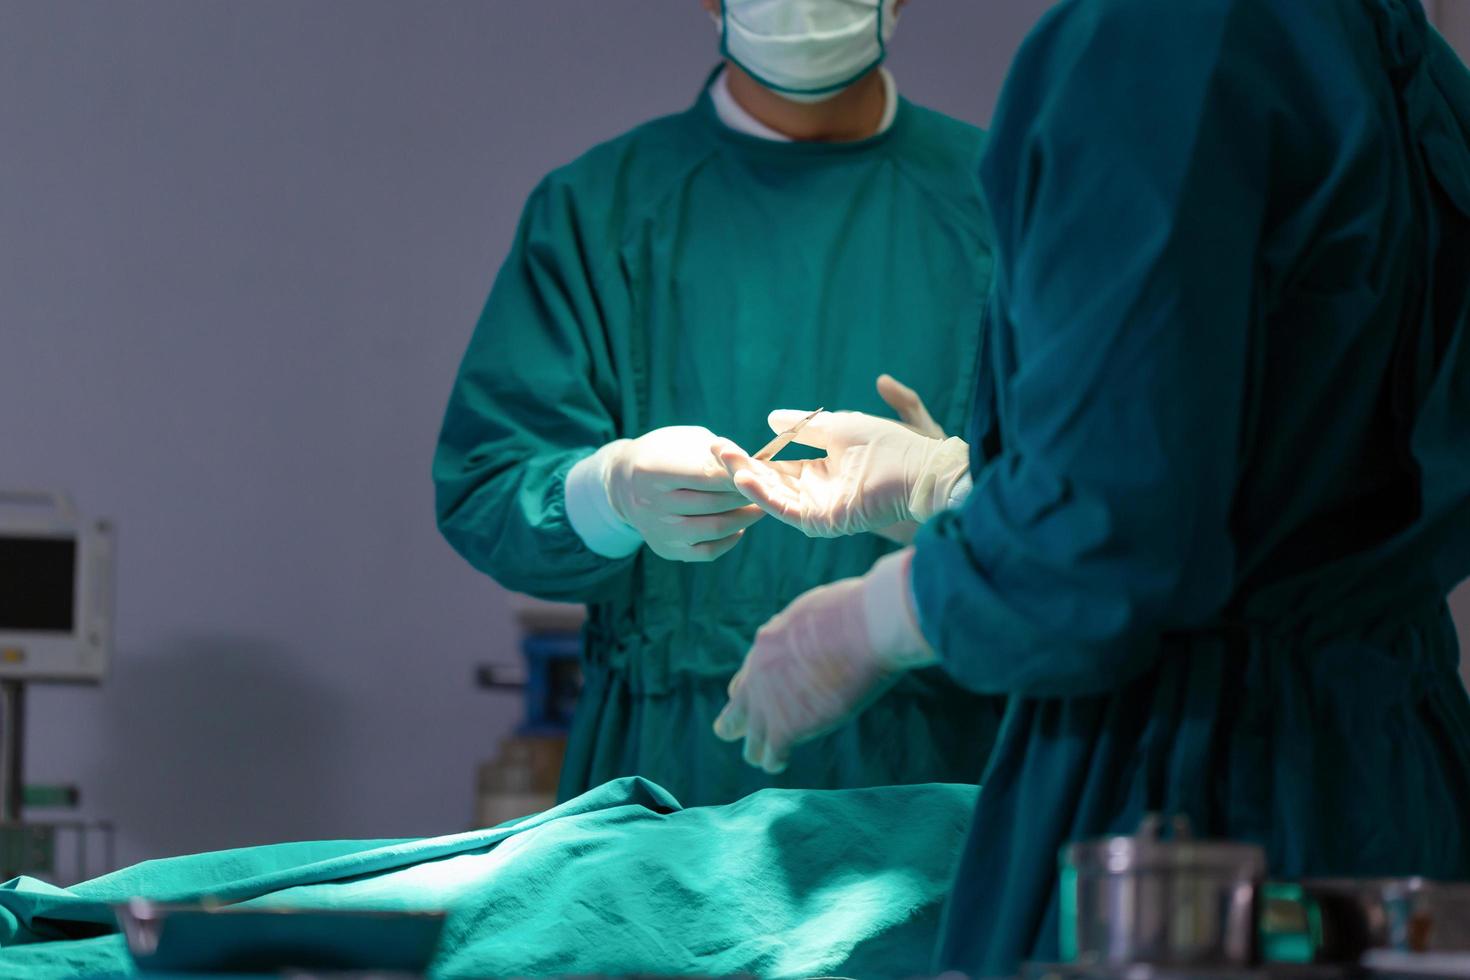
x=877, y=473
x=910, y=407
x=822, y=660
x=665, y=488
x=915, y=414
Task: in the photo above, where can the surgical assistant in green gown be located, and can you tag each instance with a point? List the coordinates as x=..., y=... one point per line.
x=689, y=274
x=1230, y=345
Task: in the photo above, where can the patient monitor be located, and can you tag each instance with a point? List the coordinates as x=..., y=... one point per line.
x=56, y=575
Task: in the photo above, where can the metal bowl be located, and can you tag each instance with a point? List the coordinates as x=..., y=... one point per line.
x=1175, y=902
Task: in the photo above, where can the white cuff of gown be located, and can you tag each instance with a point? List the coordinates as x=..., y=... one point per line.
x=893, y=625
x=944, y=475
x=961, y=492
x=591, y=513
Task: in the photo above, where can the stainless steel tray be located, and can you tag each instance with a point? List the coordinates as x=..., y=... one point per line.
x=235, y=939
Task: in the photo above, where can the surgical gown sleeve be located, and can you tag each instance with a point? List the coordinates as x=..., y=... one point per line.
x=1127, y=173
x=536, y=392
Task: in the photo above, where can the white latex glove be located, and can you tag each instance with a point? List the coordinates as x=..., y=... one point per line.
x=877, y=473
x=822, y=660
x=915, y=414
x=910, y=407
x=665, y=488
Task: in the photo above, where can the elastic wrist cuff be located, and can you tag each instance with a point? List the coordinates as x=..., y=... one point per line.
x=888, y=605
x=945, y=469
x=590, y=512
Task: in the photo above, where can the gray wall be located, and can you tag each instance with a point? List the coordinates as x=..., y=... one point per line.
x=1453, y=18
x=242, y=245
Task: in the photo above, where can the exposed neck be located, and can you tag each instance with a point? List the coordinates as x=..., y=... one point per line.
x=855, y=113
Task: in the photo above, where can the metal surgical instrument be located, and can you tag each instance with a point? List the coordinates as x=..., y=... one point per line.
x=783, y=440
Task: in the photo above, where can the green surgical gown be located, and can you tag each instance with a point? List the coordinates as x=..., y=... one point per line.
x=1230, y=350
x=687, y=274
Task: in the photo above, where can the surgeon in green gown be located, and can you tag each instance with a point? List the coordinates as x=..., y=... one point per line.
x=795, y=233
x=1207, y=562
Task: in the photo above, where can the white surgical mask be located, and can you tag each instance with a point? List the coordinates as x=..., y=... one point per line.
x=807, y=50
